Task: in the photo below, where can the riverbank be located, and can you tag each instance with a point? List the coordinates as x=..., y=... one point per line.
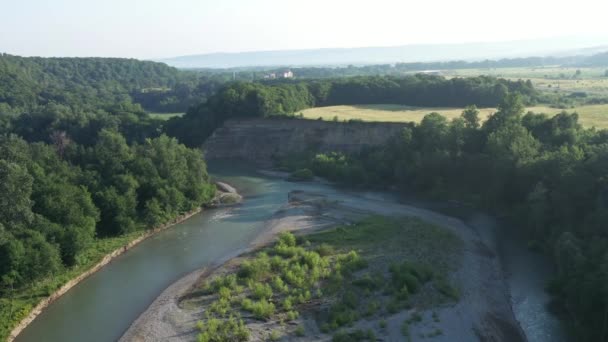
x=37, y=310
x=482, y=313
x=115, y=247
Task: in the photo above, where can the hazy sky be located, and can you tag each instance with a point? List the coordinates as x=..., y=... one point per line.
x=165, y=28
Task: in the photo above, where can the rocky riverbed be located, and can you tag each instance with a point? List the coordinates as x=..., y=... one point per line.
x=482, y=313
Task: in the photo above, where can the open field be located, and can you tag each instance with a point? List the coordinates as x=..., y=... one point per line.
x=548, y=72
x=550, y=78
x=164, y=116
x=590, y=116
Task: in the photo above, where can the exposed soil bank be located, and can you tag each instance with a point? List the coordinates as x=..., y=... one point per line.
x=260, y=140
x=483, y=312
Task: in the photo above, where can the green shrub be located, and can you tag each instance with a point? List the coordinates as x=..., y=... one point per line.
x=372, y=307
x=368, y=282
x=445, y=288
x=325, y=250
x=287, y=238
x=215, y=330
x=300, y=331
x=292, y=315
x=287, y=303
x=351, y=262
x=341, y=314
x=220, y=307
x=256, y=269
x=224, y=293
x=260, y=291
x=261, y=309
x=301, y=175
x=279, y=285
x=228, y=281
x=275, y=335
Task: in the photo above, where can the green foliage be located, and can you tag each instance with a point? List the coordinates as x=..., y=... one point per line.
x=27, y=82
x=261, y=309
x=242, y=99
x=546, y=175
x=301, y=175
x=217, y=330
x=260, y=291
x=445, y=288
x=275, y=335
x=64, y=193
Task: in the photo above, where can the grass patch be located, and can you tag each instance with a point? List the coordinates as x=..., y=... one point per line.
x=589, y=115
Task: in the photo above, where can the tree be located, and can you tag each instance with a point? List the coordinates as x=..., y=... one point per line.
x=471, y=117
x=512, y=142
x=15, y=192
x=510, y=110
x=432, y=132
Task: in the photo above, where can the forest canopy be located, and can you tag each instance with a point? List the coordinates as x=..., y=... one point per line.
x=263, y=99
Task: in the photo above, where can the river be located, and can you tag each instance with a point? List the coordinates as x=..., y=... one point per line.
x=102, y=307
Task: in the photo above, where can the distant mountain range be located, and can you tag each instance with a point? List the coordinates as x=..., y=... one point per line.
x=555, y=47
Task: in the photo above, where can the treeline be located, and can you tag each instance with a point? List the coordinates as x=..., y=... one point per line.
x=27, y=83
x=265, y=99
x=548, y=175
x=397, y=69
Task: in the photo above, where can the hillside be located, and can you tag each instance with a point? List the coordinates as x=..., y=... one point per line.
x=95, y=83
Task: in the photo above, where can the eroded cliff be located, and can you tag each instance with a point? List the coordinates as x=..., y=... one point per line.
x=259, y=140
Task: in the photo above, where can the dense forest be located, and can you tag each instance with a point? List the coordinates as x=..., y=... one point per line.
x=548, y=176
x=247, y=99
x=27, y=83
x=81, y=165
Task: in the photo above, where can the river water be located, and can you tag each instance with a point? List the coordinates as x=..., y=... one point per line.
x=102, y=307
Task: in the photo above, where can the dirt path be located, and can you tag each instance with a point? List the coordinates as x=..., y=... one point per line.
x=483, y=312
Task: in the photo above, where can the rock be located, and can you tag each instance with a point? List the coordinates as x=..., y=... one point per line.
x=223, y=187
x=225, y=195
x=228, y=198
x=298, y=196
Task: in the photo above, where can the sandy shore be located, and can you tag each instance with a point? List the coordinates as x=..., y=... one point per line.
x=483, y=312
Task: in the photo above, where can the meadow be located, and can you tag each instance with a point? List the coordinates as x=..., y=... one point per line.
x=547, y=78
x=590, y=115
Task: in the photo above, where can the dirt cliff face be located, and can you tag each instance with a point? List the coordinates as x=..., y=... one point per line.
x=259, y=140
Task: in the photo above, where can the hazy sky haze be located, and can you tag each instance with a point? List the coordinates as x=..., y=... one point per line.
x=161, y=28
